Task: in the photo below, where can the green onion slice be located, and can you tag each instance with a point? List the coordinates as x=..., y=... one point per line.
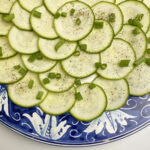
x=124, y=63
x=59, y=44
x=30, y=84
x=8, y=18
x=36, y=14
x=39, y=95
x=78, y=96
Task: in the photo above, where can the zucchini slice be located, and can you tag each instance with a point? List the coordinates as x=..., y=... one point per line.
x=62, y=84
x=148, y=36
x=5, y=6
x=99, y=39
x=117, y=92
x=29, y=5
x=81, y=66
x=38, y=66
x=47, y=48
x=91, y=106
x=119, y=50
x=138, y=80
x=92, y=2
x=132, y=8
x=23, y=41
x=22, y=95
x=58, y=103
x=147, y=3
x=7, y=51
x=138, y=41
x=22, y=17
x=103, y=10
x=54, y=5
x=77, y=26
x=8, y=74
x=43, y=26
x=4, y=26
x=119, y=1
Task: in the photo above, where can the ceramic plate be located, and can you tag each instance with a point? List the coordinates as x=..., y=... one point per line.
x=65, y=130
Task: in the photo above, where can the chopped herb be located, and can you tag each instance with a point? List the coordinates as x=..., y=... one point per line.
x=52, y=75
x=72, y=11
x=148, y=51
x=8, y=18
x=78, y=96
x=77, y=53
x=147, y=61
x=139, y=17
x=98, y=25
x=22, y=71
x=112, y=17
x=78, y=21
x=57, y=15
x=103, y=66
x=58, y=76
x=77, y=82
x=124, y=63
x=135, y=23
x=38, y=56
x=36, y=14
x=30, y=84
x=39, y=95
x=148, y=39
x=59, y=44
x=31, y=58
x=63, y=14
x=1, y=52
x=83, y=47
x=92, y=86
x=17, y=67
x=136, y=31
x=139, y=61
x=98, y=65
x=46, y=81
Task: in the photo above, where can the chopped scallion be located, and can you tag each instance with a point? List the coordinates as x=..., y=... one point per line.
x=36, y=14
x=77, y=53
x=148, y=51
x=72, y=11
x=52, y=75
x=77, y=82
x=58, y=76
x=31, y=58
x=30, y=84
x=139, y=17
x=17, y=67
x=98, y=65
x=38, y=56
x=59, y=44
x=57, y=15
x=39, y=95
x=147, y=61
x=98, y=25
x=148, y=40
x=64, y=14
x=136, y=31
x=83, y=47
x=124, y=63
x=1, y=52
x=139, y=61
x=8, y=18
x=78, y=21
x=112, y=17
x=78, y=96
x=103, y=66
x=135, y=23
x=46, y=81
x=92, y=86
x=22, y=71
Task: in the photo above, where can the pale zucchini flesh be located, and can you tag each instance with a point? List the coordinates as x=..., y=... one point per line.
x=148, y=36
x=22, y=95
x=147, y=3
x=138, y=42
x=21, y=17
x=103, y=10
x=43, y=26
x=47, y=48
x=99, y=39
x=8, y=74
x=119, y=50
x=7, y=51
x=4, y=26
x=67, y=28
x=58, y=103
x=81, y=66
x=57, y=85
x=91, y=106
x=5, y=6
x=117, y=92
x=132, y=8
x=23, y=41
x=38, y=66
x=29, y=5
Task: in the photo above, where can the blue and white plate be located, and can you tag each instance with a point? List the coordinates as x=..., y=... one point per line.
x=65, y=130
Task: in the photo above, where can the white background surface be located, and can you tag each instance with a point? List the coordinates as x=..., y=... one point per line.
x=10, y=140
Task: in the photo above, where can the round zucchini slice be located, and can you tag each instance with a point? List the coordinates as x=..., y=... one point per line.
x=38, y=66
x=47, y=48
x=54, y=5
x=99, y=39
x=22, y=17
x=25, y=42
x=61, y=84
x=92, y=2
x=138, y=80
x=8, y=71
x=29, y=5
x=43, y=26
x=6, y=50
x=104, y=10
x=81, y=66
x=58, y=103
x=132, y=8
x=117, y=92
x=77, y=26
x=119, y=50
x=22, y=95
x=5, y=6
x=147, y=3
x=4, y=26
x=92, y=104
x=119, y=1
x=138, y=41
